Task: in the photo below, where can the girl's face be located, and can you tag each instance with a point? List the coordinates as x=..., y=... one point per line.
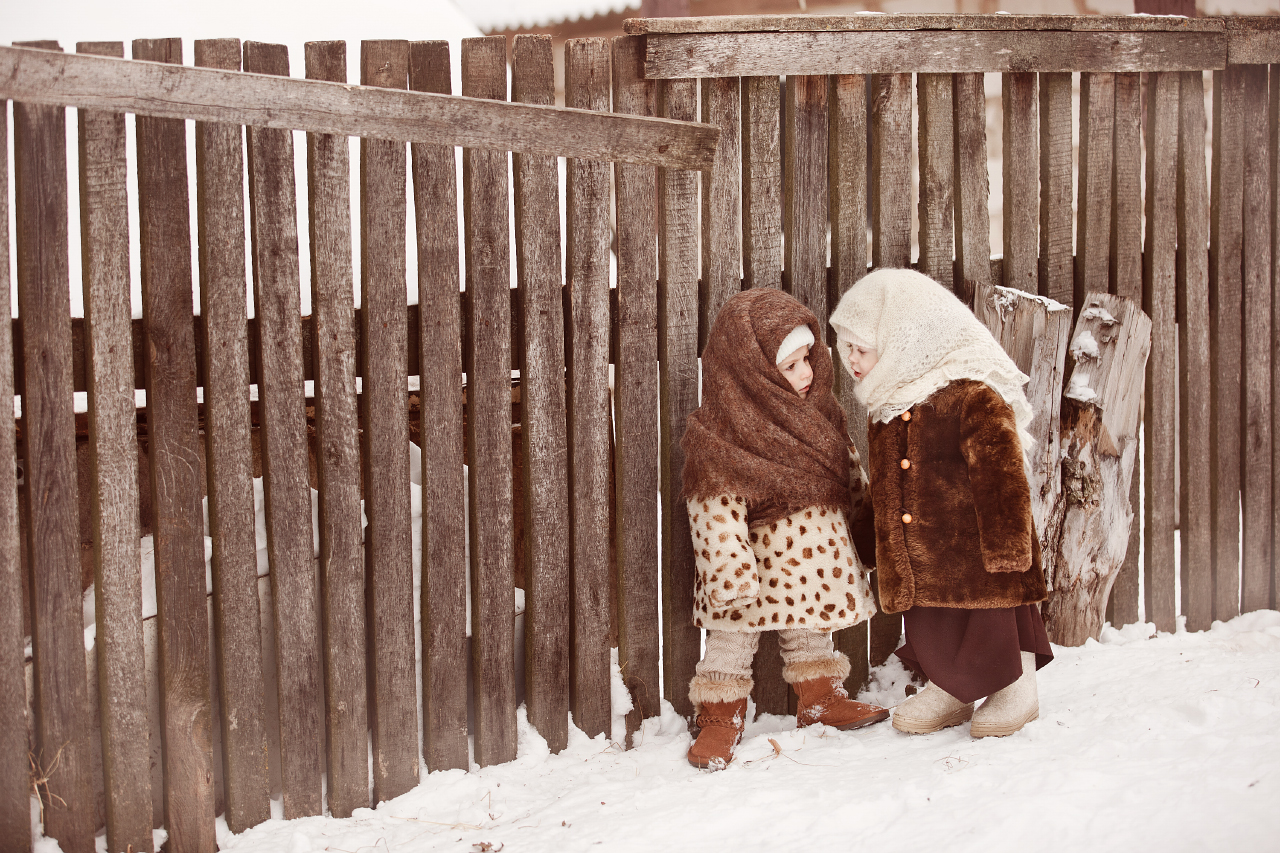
x=797, y=371
x=860, y=359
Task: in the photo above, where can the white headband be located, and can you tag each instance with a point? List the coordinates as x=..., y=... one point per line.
x=800, y=336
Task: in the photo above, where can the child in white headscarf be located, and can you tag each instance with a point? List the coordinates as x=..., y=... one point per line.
x=956, y=548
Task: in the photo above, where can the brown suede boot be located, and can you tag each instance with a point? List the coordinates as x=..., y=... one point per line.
x=824, y=700
x=720, y=728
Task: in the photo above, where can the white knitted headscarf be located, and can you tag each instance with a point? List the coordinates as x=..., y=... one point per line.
x=925, y=338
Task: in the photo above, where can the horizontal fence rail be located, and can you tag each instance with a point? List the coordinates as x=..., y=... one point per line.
x=534, y=471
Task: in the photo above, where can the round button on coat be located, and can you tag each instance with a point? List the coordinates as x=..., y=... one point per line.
x=905, y=463
x=906, y=518
x=906, y=416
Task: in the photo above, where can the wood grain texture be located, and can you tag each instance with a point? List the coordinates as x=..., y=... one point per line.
x=290, y=549
x=1274, y=163
x=444, y=568
x=587, y=86
x=174, y=449
x=1055, y=273
x=113, y=460
x=890, y=169
x=385, y=440
x=805, y=196
x=1226, y=205
x=973, y=189
x=636, y=399
x=319, y=107
x=1159, y=298
x=932, y=52
x=15, y=790
x=546, y=485
x=1252, y=40
x=488, y=366
x=61, y=694
x=342, y=575
x=229, y=456
x=1093, y=223
x=937, y=184
x=721, y=202
x=1021, y=180
x=933, y=21
x=761, y=182
x=1194, y=370
x=678, y=396
x=770, y=692
x=1256, y=556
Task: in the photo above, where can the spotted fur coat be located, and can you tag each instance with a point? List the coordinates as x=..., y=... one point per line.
x=802, y=571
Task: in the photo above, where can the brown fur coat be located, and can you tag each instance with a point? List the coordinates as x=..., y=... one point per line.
x=970, y=541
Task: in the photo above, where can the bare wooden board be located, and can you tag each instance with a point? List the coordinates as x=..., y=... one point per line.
x=1256, y=556
x=385, y=440
x=1275, y=319
x=761, y=182
x=923, y=21
x=229, y=461
x=546, y=484
x=636, y=399
x=1226, y=293
x=678, y=397
x=1021, y=181
x=122, y=708
x=15, y=767
x=290, y=549
x=587, y=85
x=1055, y=272
x=1159, y=298
x=932, y=52
x=972, y=191
x=444, y=569
x=1194, y=370
x=342, y=575
x=174, y=449
x=488, y=365
x=207, y=95
x=721, y=202
x=937, y=184
x=1097, y=145
x=890, y=96
x=1252, y=40
x=770, y=692
x=804, y=201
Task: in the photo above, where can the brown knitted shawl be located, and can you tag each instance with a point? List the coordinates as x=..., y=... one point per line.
x=753, y=436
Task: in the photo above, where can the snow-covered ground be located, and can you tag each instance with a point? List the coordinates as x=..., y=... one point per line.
x=1170, y=743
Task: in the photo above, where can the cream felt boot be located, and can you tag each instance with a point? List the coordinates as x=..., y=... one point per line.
x=930, y=710
x=1008, y=710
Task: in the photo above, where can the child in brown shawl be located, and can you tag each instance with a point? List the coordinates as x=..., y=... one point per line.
x=772, y=484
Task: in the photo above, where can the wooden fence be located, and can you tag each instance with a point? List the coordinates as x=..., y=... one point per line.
x=801, y=173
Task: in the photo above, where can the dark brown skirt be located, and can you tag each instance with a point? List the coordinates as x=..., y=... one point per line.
x=973, y=653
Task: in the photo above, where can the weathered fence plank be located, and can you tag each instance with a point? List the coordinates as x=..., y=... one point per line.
x=543, y=425
x=678, y=397
x=229, y=456
x=937, y=184
x=15, y=788
x=174, y=449
x=1159, y=298
x=1093, y=224
x=721, y=202
x=488, y=366
x=1274, y=213
x=290, y=548
x=342, y=575
x=1055, y=273
x=1255, y=574
x=444, y=568
x=972, y=190
x=636, y=384
x=804, y=202
x=999, y=22
x=319, y=107
x=113, y=454
x=1194, y=371
x=761, y=182
x=890, y=169
x=587, y=86
x=1021, y=180
x=1226, y=294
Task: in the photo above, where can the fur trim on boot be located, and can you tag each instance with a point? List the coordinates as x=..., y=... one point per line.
x=706, y=689
x=930, y=710
x=1008, y=710
x=836, y=666
x=720, y=726
x=824, y=700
